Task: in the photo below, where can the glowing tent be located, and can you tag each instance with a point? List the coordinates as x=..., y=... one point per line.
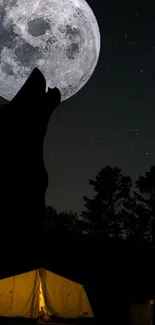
x=25, y=295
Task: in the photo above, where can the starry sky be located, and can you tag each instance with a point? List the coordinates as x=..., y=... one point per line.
x=111, y=120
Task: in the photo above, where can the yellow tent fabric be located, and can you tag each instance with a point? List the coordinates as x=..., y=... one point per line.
x=19, y=295
x=63, y=297
x=26, y=294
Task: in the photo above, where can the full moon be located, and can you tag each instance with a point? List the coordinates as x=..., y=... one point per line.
x=60, y=37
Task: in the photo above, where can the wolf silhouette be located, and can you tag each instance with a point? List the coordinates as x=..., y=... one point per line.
x=23, y=176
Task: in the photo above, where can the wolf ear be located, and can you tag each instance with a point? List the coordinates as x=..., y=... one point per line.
x=52, y=100
x=54, y=95
x=35, y=86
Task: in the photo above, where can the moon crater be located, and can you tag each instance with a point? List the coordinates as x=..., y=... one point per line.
x=26, y=54
x=6, y=37
x=7, y=68
x=72, y=31
x=38, y=27
x=72, y=51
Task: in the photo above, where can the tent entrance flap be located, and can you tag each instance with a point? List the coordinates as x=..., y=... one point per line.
x=41, y=299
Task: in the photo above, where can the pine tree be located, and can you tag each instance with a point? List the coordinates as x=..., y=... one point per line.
x=107, y=211
x=61, y=225
x=145, y=196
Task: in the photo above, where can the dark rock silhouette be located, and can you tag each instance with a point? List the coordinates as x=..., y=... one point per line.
x=23, y=176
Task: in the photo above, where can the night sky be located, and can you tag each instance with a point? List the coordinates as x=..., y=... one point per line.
x=111, y=120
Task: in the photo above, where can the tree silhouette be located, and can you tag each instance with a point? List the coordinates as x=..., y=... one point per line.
x=145, y=196
x=113, y=212
x=61, y=225
x=106, y=213
x=51, y=215
x=136, y=224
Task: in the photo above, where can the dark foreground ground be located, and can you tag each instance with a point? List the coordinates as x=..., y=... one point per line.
x=6, y=321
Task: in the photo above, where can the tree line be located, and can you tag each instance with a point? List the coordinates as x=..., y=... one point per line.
x=118, y=210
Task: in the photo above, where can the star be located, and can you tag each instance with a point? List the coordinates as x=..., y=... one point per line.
x=114, y=114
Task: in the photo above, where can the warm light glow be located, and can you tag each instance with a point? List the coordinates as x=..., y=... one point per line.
x=151, y=302
x=41, y=299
